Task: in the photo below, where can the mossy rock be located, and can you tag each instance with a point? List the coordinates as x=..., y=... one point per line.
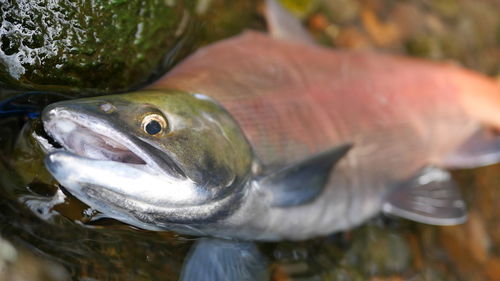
x=102, y=46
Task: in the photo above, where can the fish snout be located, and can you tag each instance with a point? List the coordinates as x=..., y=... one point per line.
x=55, y=162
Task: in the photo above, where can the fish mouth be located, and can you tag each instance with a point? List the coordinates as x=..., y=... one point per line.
x=91, y=137
x=99, y=157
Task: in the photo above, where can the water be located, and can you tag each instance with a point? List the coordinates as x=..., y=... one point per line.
x=81, y=245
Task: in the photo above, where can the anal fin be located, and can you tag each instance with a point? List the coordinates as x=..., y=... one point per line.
x=430, y=197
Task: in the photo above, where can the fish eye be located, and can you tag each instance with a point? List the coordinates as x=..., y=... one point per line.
x=154, y=124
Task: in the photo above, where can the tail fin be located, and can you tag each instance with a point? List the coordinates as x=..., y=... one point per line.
x=480, y=96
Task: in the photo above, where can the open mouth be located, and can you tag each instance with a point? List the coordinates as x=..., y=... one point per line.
x=82, y=135
x=106, y=166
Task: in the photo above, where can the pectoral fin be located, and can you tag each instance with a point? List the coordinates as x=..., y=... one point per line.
x=214, y=259
x=431, y=197
x=282, y=25
x=300, y=183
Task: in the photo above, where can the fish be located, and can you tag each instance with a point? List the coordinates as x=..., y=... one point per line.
x=264, y=138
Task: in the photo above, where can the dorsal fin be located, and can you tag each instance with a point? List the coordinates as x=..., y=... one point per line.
x=300, y=183
x=282, y=25
x=430, y=197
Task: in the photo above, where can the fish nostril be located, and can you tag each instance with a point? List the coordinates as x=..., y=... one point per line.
x=107, y=107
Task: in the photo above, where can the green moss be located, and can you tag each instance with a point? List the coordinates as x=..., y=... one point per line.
x=100, y=46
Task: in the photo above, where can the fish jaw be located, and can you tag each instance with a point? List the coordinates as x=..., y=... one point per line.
x=130, y=193
x=136, y=181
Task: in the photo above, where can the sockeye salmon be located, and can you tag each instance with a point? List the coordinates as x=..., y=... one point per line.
x=266, y=139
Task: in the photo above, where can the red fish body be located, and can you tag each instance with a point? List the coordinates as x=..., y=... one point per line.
x=294, y=100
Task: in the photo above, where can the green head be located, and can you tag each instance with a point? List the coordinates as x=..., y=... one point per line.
x=150, y=157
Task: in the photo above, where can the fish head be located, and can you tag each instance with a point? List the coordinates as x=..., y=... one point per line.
x=152, y=159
